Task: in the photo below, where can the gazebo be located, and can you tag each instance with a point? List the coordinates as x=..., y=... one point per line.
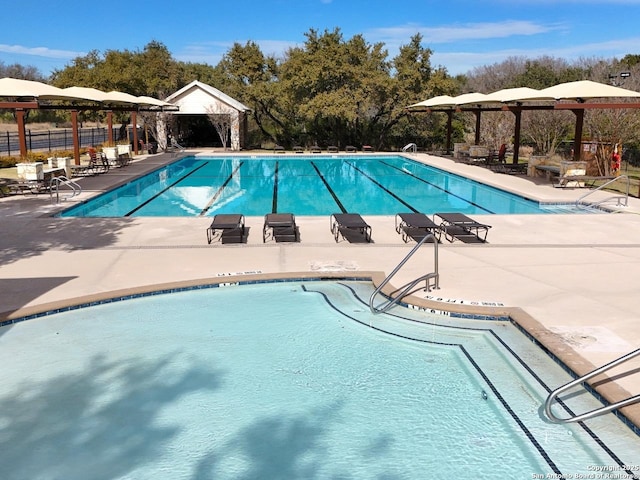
x=200, y=100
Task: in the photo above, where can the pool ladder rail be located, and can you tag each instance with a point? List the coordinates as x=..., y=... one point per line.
x=622, y=201
x=598, y=411
x=432, y=280
x=410, y=147
x=54, y=188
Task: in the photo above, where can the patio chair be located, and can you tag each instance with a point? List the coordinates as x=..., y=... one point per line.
x=332, y=149
x=416, y=226
x=351, y=227
x=97, y=163
x=458, y=226
x=175, y=146
x=315, y=149
x=280, y=227
x=227, y=228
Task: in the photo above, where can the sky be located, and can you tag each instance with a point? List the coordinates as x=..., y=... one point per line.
x=462, y=34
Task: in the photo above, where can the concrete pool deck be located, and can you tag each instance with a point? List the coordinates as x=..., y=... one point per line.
x=572, y=280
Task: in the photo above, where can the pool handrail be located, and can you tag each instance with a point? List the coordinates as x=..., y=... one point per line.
x=407, y=288
x=613, y=180
x=598, y=411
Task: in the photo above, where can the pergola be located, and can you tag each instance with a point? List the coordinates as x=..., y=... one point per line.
x=565, y=96
x=24, y=95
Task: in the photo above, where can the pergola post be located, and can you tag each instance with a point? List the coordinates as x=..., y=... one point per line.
x=76, y=140
x=449, y=147
x=577, y=138
x=478, y=114
x=516, y=135
x=21, y=132
x=134, y=122
x=110, y=127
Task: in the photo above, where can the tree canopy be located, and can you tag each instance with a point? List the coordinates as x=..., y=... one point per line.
x=340, y=91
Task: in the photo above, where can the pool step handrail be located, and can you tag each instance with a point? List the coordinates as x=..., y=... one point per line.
x=432, y=280
x=54, y=186
x=410, y=147
x=579, y=201
x=598, y=411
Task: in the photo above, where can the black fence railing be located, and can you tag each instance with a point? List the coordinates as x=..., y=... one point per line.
x=59, y=139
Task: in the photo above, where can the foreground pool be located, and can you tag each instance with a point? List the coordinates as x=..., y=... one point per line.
x=285, y=380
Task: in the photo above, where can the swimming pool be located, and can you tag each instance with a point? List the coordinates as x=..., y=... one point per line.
x=306, y=185
x=285, y=380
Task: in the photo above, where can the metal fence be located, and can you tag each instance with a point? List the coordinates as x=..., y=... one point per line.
x=49, y=140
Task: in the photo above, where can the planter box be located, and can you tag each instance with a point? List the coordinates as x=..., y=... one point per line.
x=61, y=162
x=111, y=153
x=124, y=150
x=30, y=171
x=478, y=151
x=533, y=161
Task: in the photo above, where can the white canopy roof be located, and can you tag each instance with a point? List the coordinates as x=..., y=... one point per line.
x=579, y=90
x=18, y=88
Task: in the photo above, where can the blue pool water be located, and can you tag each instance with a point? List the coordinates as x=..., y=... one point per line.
x=254, y=186
x=285, y=381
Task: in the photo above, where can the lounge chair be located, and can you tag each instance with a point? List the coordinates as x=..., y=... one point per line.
x=315, y=149
x=416, y=226
x=350, y=149
x=457, y=226
x=227, y=228
x=351, y=226
x=98, y=163
x=280, y=227
x=278, y=149
x=298, y=149
x=332, y=149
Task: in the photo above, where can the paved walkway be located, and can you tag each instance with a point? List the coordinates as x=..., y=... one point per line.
x=574, y=279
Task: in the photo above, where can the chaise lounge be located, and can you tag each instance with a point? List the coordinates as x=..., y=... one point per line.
x=416, y=226
x=280, y=227
x=351, y=227
x=227, y=228
x=458, y=226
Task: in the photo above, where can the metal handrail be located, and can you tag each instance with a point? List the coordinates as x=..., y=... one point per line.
x=613, y=180
x=598, y=411
x=410, y=146
x=409, y=286
x=76, y=189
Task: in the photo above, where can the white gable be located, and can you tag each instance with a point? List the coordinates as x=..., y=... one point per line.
x=198, y=98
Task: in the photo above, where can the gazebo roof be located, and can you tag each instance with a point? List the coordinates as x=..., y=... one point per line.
x=192, y=99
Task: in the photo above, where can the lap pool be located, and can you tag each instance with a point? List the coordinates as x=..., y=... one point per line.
x=317, y=185
x=289, y=380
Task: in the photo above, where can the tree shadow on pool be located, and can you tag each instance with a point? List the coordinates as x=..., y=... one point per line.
x=116, y=420
x=101, y=423
x=293, y=447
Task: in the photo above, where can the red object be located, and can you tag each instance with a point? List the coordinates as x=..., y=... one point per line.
x=615, y=161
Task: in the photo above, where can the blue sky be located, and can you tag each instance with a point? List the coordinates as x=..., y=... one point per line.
x=463, y=34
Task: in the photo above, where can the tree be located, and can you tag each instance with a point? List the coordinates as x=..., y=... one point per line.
x=22, y=72
x=222, y=122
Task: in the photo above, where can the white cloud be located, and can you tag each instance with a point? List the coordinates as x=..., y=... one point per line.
x=40, y=52
x=459, y=32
